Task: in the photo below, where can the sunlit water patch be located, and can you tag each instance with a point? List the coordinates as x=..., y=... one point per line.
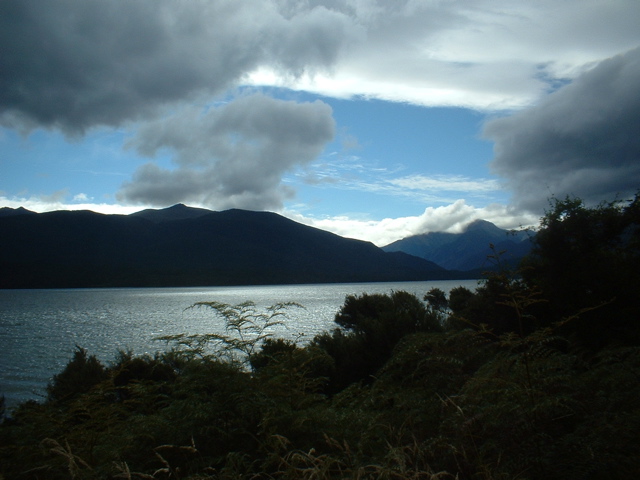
x=40, y=329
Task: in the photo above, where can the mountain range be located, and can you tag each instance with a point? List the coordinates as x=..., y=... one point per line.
x=184, y=246
x=469, y=250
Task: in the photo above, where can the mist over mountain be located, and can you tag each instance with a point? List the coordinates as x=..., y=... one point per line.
x=466, y=251
x=184, y=246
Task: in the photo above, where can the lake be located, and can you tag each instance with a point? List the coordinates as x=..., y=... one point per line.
x=39, y=329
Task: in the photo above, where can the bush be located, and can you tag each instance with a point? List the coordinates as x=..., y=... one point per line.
x=80, y=374
x=372, y=325
x=272, y=351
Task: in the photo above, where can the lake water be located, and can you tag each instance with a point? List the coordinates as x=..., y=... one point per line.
x=39, y=329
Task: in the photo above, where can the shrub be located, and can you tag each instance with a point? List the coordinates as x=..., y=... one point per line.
x=372, y=324
x=272, y=351
x=81, y=373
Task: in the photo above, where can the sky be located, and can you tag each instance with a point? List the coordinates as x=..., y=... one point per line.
x=371, y=119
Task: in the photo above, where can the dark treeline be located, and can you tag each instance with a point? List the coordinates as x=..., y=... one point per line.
x=534, y=375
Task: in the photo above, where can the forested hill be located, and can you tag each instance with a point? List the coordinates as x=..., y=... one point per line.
x=183, y=246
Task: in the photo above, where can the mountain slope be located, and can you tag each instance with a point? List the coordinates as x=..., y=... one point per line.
x=465, y=251
x=160, y=248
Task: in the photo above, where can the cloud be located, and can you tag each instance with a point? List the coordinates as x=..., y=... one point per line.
x=354, y=174
x=50, y=203
x=451, y=218
x=73, y=64
x=457, y=183
x=157, y=66
x=486, y=54
x=583, y=140
x=232, y=156
x=81, y=197
x=55, y=197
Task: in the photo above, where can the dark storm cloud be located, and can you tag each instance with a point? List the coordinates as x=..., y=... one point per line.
x=583, y=140
x=230, y=156
x=73, y=64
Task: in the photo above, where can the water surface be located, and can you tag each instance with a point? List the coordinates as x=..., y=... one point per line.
x=39, y=329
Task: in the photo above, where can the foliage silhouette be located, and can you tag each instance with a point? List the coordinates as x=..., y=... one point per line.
x=246, y=328
x=371, y=326
x=588, y=259
x=81, y=373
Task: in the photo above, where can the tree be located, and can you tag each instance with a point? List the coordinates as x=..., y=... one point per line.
x=437, y=300
x=371, y=326
x=586, y=261
x=81, y=373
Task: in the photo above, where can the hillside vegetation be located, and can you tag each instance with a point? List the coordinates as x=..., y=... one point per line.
x=532, y=376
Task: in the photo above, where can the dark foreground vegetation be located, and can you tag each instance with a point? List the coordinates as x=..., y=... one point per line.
x=535, y=375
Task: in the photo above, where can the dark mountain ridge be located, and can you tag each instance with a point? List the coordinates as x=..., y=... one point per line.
x=183, y=246
x=10, y=212
x=469, y=250
x=176, y=212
